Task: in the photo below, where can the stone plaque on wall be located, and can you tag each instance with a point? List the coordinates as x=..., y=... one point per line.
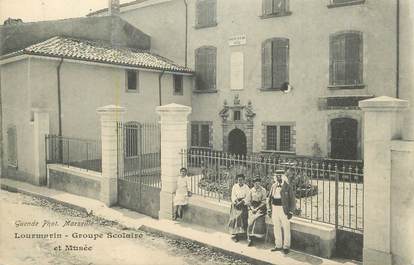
x=236, y=70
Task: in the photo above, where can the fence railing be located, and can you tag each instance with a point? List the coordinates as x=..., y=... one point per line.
x=74, y=152
x=139, y=155
x=327, y=190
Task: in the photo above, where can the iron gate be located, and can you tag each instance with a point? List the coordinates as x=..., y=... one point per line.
x=139, y=167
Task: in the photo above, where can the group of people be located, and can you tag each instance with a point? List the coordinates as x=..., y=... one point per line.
x=249, y=207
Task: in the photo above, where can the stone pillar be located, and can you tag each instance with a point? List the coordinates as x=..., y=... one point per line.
x=110, y=116
x=40, y=130
x=383, y=122
x=174, y=119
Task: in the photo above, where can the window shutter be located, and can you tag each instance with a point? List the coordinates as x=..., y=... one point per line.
x=267, y=7
x=267, y=64
x=12, y=146
x=210, y=7
x=337, y=64
x=194, y=135
x=280, y=62
x=279, y=6
x=205, y=135
x=353, y=58
x=200, y=68
x=210, y=68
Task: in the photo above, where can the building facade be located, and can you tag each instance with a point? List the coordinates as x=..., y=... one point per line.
x=279, y=76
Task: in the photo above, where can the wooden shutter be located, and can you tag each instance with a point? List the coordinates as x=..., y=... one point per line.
x=353, y=58
x=279, y=6
x=210, y=12
x=280, y=59
x=210, y=68
x=194, y=135
x=205, y=135
x=267, y=7
x=12, y=146
x=337, y=60
x=267, y=64
x=200, y=66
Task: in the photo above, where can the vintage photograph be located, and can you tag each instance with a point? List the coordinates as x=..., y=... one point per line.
x=190, y=132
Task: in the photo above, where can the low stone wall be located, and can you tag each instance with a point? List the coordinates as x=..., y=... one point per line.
x=316, y=239
x=139, y=197
x=74, y=180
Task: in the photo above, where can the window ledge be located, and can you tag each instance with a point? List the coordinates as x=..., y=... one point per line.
x=351, y=3
x=205, y=26
x=205, y=91
x=270, y=89
x=278, y=152
x=279, y=14
x=336, y=87
x=178, y=93
x=132, y=91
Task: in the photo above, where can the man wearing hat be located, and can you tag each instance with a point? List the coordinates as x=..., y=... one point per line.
x=282, y=203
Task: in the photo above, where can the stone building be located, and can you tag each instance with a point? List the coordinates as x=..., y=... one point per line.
x=282, y=76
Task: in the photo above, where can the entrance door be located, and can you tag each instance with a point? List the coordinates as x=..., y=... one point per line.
x=237, y=142
x=344, y=138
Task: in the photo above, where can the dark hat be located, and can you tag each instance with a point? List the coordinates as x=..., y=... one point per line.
x=239, y=176
x=257, y=179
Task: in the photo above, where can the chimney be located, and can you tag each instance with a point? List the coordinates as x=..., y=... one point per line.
x=113, y=7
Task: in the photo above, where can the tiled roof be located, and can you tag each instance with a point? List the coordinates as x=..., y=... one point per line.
x=102, y=52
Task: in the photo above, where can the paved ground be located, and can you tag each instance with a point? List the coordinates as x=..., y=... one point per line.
x=146, y=249
x=193, y=242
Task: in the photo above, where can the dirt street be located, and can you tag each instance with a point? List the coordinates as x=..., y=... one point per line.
x=73, y=237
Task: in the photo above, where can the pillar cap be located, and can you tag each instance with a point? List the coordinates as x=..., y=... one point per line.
x=173, y=107
x=109, y=109
x=383, y=103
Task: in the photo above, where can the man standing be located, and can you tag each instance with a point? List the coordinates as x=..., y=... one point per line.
x=282, y=203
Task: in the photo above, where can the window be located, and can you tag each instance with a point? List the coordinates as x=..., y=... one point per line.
x=236, y=115
x=206, y=11
x=274, y=7
x=12, y=146
x=178, y=84
x=271, y=136
x=131, y=139
x=284, y=138
x=338, y=3
x=205, y=67
x=275, y=63
x=132, y=81
x=200, y=134
x=279, y=137
x=346, y=59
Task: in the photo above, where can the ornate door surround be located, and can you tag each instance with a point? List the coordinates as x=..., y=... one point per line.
x=237, y=116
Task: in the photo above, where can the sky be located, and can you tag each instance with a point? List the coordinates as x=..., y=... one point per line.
x=39, y=10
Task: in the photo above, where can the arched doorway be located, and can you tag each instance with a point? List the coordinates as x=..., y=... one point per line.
x=237, y=142
x=344, y=138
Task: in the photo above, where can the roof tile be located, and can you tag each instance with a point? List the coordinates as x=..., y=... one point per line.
x=80, y=49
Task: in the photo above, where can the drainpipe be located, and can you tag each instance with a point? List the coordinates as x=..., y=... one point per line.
x=59, y=96
x=186, y=32
x=397, y=71
x=59, y=111
x=159, y=85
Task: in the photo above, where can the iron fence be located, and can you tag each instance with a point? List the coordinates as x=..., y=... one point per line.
x=74, y=152
x=327, y=190
x=139, y=155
